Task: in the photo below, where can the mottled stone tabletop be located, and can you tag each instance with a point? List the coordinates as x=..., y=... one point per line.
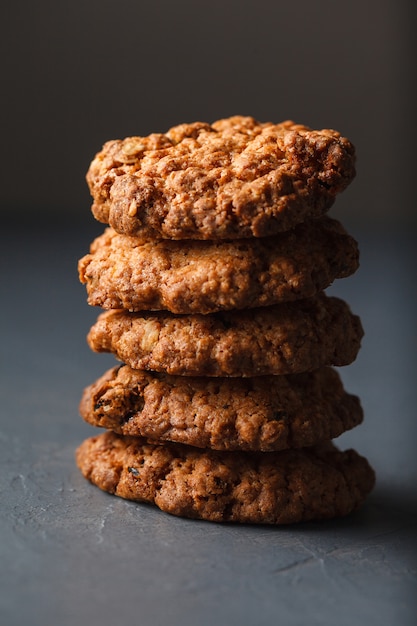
x=71, y=554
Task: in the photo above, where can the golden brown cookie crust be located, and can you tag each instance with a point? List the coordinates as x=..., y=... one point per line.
x=232, y=179
x=203, y=277
x=264, y=413
x=261, y=488
x=282, y=339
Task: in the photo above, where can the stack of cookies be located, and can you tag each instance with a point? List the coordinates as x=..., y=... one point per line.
x=211, y=276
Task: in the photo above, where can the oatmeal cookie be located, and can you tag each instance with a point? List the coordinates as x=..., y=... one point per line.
x=204, y=276
x=281, y=339
x=260, y=488
x=264, y=413
x=232, y=179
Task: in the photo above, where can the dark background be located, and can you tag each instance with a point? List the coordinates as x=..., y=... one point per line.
x=75, y=74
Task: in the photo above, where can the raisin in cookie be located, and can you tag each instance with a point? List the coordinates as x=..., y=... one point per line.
x=234, y=178
x=260, y=488
x=263, y=413
x=203, y=277
x=281, y=339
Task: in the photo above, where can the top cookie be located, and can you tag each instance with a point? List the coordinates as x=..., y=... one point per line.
x=235, y=178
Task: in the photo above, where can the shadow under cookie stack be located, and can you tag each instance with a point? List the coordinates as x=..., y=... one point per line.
x=212, y=276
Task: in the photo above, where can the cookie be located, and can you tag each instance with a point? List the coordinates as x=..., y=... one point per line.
x=264, y=413
x=281, y=339
x=247, y=487
x=203, y=277
x=232, y=179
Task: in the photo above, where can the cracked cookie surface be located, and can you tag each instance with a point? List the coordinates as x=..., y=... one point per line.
x=264, y=413
x=203, y=277
x=281, y=339
x=284, y=487
x=234, y=178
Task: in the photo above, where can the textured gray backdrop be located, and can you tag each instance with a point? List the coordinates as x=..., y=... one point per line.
x=76, y=73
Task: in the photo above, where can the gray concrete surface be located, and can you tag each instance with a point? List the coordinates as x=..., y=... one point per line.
x=71, y=554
